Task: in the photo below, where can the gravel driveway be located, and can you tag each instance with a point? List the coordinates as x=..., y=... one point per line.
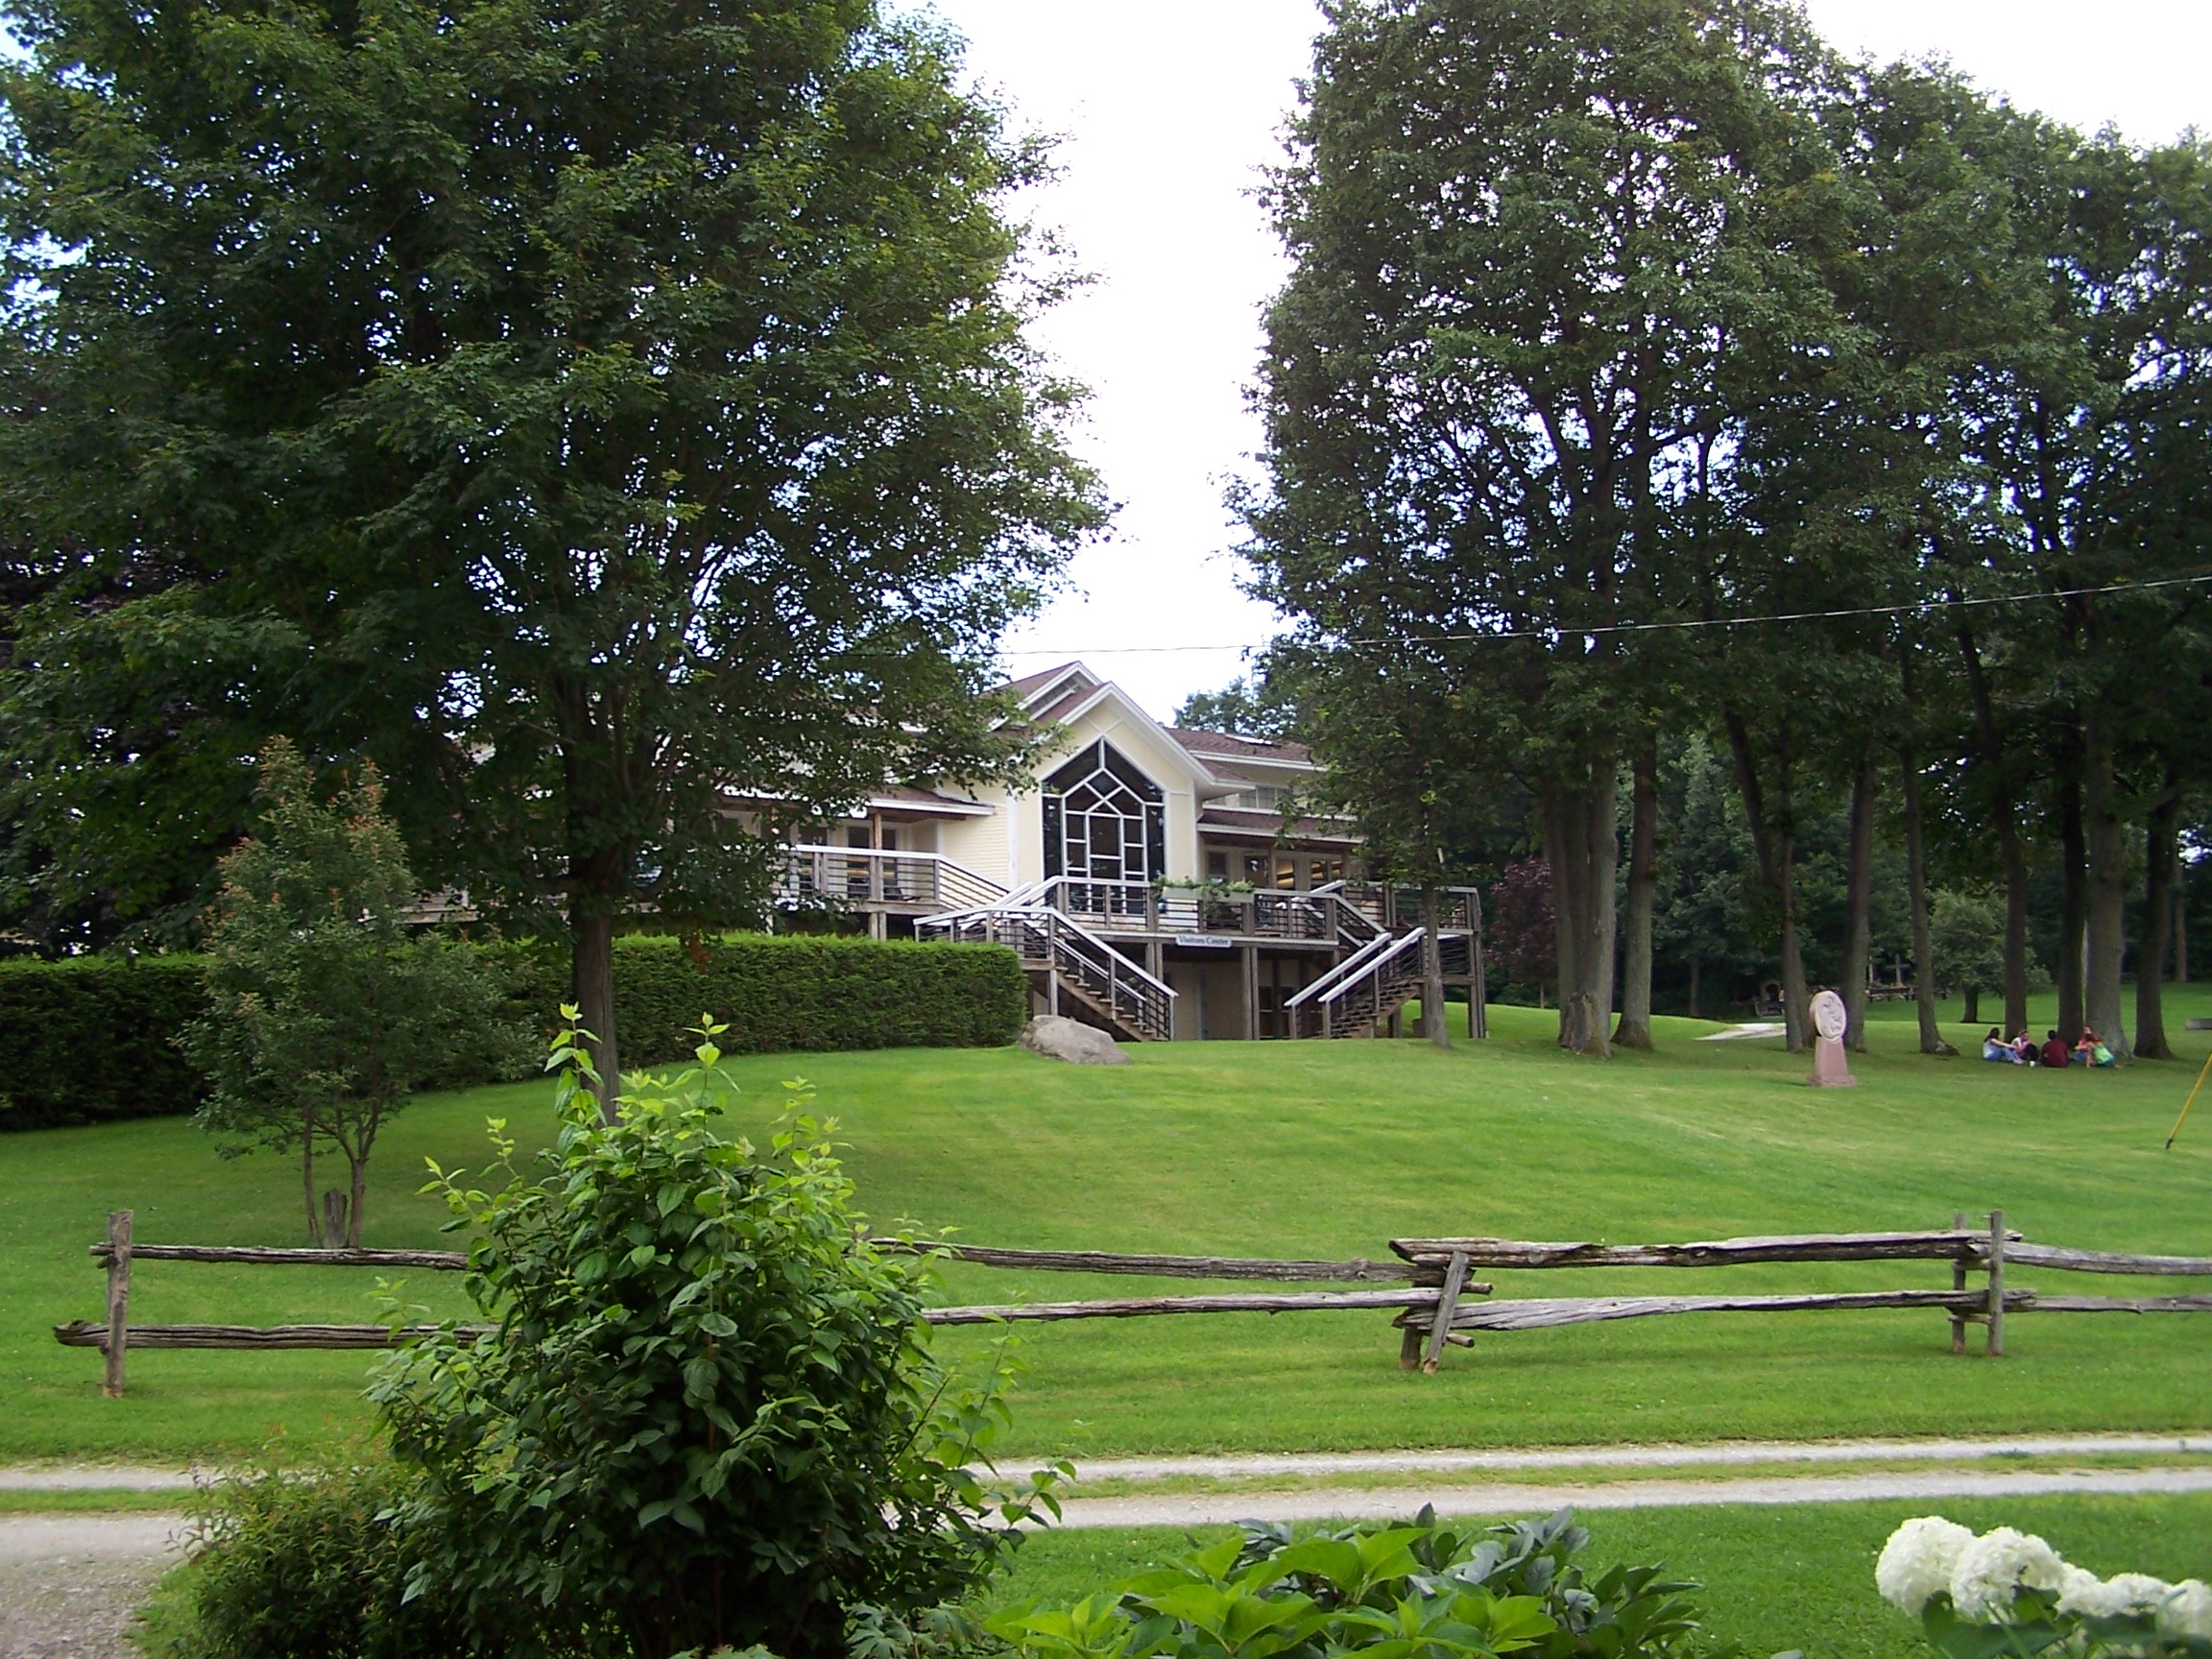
x=68, y=1582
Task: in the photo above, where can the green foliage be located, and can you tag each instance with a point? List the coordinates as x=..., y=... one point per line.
x=91, y=1039
x=307, y=1565
x=708, y=1414
x=1257, y=706
x=585, y=412
x=1424, y=1591
x=325, y=1010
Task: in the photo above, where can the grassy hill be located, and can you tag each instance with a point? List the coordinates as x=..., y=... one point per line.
x=1292, y=1149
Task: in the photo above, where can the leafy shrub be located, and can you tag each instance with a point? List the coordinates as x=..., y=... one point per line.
x=708, y=1414
x=307, y=1567
x=93, y=1039
x=1423, y=1590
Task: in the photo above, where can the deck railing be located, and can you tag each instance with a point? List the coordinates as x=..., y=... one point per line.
x=923, y=882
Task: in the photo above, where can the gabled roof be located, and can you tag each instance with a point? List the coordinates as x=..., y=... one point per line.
x=1065, y=693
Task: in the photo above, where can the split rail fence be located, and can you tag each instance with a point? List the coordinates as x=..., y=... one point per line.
x=1439, y=1304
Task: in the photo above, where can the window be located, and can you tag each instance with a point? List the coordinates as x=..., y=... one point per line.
x=1104, y=820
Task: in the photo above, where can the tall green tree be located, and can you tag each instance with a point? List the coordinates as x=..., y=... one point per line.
x=603, y=413
x=1531, y=288
x=326, y=1007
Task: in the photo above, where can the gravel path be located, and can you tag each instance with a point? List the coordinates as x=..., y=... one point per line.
x=97, y=1477
x=1737, y=1453
x=68, y=1582
x=1385, y=1502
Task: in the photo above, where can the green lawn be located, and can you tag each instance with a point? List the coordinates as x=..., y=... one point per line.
x=1775, y=1579
x=1311, y=1148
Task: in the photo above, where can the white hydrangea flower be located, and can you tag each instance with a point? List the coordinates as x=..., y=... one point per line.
x=1918, y=1560
x=2096, y=1597
x=1992, y=1570
x=2187, y=1611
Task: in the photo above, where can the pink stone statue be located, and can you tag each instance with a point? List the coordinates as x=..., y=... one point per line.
x=1830, y=1069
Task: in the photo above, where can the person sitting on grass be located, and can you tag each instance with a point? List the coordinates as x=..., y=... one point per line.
x=1995, y=1049
x=2091, y=1049
x=2024, y=1050
x=2055, y=1053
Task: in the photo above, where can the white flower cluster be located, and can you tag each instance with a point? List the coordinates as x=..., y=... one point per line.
x=1929, y=1556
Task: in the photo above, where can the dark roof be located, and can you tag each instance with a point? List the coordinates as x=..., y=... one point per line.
x=1036, y=682
x=1241, y=748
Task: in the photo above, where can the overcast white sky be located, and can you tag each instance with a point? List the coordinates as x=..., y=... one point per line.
x=1169, y=107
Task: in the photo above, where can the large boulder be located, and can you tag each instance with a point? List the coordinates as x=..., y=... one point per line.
x=1058, y=1038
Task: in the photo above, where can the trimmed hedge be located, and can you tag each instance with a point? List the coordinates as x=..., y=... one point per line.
x=92, y=1040
x=791, y=991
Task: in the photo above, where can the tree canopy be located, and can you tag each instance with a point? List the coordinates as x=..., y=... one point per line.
x=602, y=415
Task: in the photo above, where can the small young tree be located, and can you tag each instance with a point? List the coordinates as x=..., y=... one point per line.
x=1967, y=930
x=326, y=1009
x=1524, y=936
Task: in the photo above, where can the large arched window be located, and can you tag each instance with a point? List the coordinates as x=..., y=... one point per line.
x=1104, y=820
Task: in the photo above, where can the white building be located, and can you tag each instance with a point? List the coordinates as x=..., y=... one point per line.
x=1156, y=881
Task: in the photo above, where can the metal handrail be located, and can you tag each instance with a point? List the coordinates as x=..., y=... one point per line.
x=1132, y=996
x=1345, y=970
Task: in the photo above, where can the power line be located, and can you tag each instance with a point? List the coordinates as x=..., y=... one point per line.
x=1680, y=626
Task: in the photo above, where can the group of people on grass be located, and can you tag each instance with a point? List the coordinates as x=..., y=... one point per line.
x=2087, y=1050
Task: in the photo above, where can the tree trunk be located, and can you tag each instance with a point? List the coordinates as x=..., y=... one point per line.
x=2180, y=930
x=2016, y=857
x=1923, y=942
x=2074, y=908
x=356, y=1196
x=2108, y=938
x=307, y=1179
x=1777, y=852
x=2004, y=812
x=593, y=966
x=1436, y=1016
x=1634, y=1030
x=1580, y=833
x=1859, y=907
x=1971, y=1014
x=1693, y=966
x=2159, y=866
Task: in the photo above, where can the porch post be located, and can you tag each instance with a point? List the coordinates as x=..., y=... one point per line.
x=1251, y=955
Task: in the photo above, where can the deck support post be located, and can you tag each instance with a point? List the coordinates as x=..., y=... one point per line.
x=1251, y=964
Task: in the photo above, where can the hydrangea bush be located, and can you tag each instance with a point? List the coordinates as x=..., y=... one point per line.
x=2007, y=1592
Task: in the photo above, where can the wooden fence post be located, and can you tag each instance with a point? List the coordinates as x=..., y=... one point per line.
x=118, y=1298
x=1440, y=1327
x=1959, y=1284
x=1995, y=1348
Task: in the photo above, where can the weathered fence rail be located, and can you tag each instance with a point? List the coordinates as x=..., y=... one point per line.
x=1433, y=1308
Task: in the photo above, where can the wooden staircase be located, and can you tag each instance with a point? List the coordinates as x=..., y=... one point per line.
x=1357, y=996
x=1075, y=971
